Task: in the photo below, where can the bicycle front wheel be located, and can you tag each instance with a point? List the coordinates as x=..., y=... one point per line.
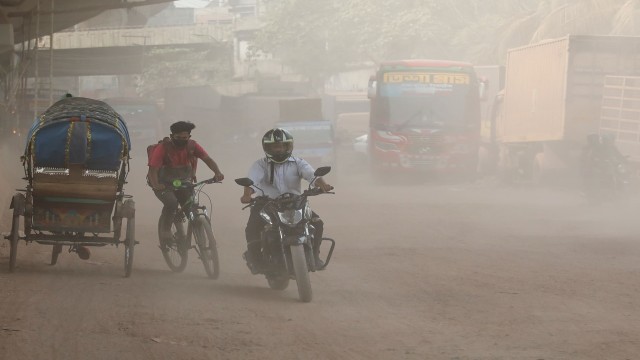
x=207, y=247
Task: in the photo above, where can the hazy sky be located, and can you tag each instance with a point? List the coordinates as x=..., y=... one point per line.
x=191, y=3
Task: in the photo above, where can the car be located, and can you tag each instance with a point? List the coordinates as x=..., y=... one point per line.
x=361, y=145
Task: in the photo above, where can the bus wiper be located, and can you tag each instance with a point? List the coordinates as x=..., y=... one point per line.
x=409, y=119
x=425, y=120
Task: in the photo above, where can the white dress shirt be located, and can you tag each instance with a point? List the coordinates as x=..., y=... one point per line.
x=287, y=176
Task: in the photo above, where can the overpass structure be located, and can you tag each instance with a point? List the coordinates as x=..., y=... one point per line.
x=34, y=43
x=24, y=20
x=119, y=51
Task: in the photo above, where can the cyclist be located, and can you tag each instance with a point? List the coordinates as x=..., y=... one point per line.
x=175, y=158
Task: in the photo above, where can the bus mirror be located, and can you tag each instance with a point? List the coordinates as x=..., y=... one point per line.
x=371, y=88
x=482, y=89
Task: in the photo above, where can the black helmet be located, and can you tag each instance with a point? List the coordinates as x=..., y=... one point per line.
x=277, y=145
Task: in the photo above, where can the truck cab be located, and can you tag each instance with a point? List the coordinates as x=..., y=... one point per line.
x=313, y=136
x=314, y=141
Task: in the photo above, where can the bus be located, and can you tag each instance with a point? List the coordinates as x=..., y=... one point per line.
x=424, y=117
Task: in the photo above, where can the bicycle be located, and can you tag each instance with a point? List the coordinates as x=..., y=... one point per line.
x=175, y=248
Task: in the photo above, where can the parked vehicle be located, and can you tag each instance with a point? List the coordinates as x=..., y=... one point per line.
x=361, y=145
x=552, y=99
x=315, y=139
x=286, y=240
x=76, y=164
x=144, y=118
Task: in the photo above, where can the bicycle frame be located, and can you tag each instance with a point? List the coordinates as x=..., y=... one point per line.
x=193, y=208
x=198, y=227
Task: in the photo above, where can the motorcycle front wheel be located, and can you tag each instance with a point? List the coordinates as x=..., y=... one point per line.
x=301, y=270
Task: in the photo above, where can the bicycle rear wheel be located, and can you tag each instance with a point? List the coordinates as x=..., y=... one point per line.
x=207, y=247
x=174, y=251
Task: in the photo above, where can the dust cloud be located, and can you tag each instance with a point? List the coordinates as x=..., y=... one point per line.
x=490, y=265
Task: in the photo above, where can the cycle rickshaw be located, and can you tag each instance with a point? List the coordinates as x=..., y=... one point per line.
x=76, y=161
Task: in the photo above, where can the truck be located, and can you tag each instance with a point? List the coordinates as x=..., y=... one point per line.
x=313, y=135
x=551, y=102
x=424, y=118
x=620, y=114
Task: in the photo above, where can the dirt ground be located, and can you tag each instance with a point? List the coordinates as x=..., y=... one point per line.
x=424, y=270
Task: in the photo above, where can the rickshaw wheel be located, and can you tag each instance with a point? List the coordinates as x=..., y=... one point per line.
x=15, y=235
x=57, y=249
x=129, y=245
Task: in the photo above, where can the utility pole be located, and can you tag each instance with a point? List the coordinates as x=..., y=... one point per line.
x=51, y=55
x=36, y=87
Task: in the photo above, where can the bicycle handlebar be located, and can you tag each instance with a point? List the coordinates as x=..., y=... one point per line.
x=178, y=184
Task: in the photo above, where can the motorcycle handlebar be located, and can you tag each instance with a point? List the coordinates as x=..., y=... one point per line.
x=306, y=193
x=316, y=191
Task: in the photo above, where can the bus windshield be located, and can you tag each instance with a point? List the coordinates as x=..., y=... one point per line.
x=411, y=99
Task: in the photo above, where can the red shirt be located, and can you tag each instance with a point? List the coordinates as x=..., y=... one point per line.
x=180, y=157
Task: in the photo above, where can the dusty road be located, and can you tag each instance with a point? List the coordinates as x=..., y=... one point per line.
x=422, y=271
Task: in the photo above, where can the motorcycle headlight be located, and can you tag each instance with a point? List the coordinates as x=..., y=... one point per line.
x=266, y=217
x=290, y=217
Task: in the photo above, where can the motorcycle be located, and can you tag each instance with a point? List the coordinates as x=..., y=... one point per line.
x=607, y=177
x=287, y=237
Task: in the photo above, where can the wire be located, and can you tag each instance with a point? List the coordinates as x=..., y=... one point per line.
x=200, y=191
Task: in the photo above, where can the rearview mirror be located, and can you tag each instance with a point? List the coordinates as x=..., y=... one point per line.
x=371, y=87
x=322, y=171
x=244, y=182
x=483, y=86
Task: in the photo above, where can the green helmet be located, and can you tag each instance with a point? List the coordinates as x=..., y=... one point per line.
x=277, y=145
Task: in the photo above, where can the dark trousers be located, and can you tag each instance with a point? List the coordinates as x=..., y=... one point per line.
x=255, y=224
x=171, y=199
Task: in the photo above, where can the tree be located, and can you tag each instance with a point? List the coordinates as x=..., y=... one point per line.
x=166, y=68
x=321, y=38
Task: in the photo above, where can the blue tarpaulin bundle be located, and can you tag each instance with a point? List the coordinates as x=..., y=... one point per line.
x=78, y=130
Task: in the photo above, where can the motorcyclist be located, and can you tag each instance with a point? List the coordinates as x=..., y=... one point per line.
x=176, y=158
x=277, y=173
x=599, y=156
x=610, y=150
